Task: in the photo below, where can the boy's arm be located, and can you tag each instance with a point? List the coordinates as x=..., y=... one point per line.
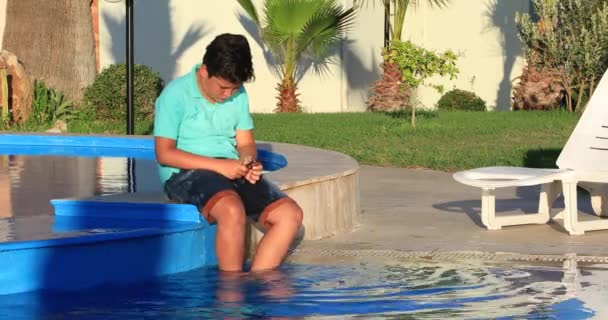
x=248, y=153
x=167, y=154
x=245, y=145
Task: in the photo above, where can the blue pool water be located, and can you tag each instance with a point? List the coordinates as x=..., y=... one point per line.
x=328, y=288
x=358, y=288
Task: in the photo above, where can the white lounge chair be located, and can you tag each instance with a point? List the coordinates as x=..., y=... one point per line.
x=583, y=159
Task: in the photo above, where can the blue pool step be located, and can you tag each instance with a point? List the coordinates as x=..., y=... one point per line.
x=108, y=242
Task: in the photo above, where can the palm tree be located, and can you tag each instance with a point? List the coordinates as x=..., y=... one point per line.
x=400, y=9
x=388, y=92
x=54, y=41
x=293, y=29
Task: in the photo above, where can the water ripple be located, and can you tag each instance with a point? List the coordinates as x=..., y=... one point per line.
x=432, y=291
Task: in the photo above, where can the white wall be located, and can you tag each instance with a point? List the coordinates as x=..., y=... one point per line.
x=484, y=34
x=171, y=36
x=2, y=20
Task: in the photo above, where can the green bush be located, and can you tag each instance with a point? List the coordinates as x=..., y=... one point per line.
x=568, y=38
x=50, y=105
x=461, y=100
x=108, y=93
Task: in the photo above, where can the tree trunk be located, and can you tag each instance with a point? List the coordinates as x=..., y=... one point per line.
x=288, y=98
x=54, y=41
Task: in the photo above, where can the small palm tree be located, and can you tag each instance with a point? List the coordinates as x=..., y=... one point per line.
x=292, y=29
x=389, y=93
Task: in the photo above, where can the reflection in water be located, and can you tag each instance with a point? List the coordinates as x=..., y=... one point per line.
x=416, y=289
x=28, y=183
x=6, y=208
x=7, y=230
x=33, y=181
x=112, y=176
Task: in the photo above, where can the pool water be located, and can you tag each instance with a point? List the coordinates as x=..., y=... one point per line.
x=305, y=287
x=336, y=290
x=28, y=183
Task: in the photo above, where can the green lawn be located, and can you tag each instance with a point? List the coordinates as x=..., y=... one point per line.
x=444, y=141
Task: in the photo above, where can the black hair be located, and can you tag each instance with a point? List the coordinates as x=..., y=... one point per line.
x=228, y=57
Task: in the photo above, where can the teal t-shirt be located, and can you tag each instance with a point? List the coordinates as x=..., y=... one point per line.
x=198, y=126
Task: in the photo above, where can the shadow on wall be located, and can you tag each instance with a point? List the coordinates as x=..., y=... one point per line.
x=358, y=75
x=502, y=16
x=153, y=33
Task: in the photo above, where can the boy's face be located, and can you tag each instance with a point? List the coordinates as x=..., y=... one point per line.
x=215, y=89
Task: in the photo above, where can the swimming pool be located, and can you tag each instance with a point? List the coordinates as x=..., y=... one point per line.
x=93, y=241
x=305, y=287
x=337, y=289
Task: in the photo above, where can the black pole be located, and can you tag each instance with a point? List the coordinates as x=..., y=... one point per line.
x=130, y=63
x=387, y=26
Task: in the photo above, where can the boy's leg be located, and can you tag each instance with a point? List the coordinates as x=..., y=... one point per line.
x=229, y=214
x=282, y=224
x=217, y=200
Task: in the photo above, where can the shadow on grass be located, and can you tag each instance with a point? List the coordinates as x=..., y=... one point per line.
x=407, y=114
x=541, y=158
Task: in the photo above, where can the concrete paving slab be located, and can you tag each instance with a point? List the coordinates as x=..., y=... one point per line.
x=424, y=210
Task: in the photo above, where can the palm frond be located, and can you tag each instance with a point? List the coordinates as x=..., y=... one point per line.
x=290, y=16
x=249, y=8
x=285, y=20
x=324, y=29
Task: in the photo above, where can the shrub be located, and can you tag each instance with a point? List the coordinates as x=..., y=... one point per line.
x=406, y=66
x=108, y=93
x=569, y=39
x=461, y=100
x=50, y=105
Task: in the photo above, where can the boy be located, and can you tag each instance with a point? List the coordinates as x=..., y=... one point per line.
x=206, y=153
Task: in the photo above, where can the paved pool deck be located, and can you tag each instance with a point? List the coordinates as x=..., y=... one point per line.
x=412, y=210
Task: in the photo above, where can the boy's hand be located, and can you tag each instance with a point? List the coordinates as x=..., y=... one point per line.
x=232, y=169
x=254, y=170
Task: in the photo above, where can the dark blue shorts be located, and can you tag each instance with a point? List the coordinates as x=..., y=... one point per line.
x=204, y=188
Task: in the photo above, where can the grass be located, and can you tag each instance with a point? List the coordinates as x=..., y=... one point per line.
x=446, y=141
x=87, y=127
